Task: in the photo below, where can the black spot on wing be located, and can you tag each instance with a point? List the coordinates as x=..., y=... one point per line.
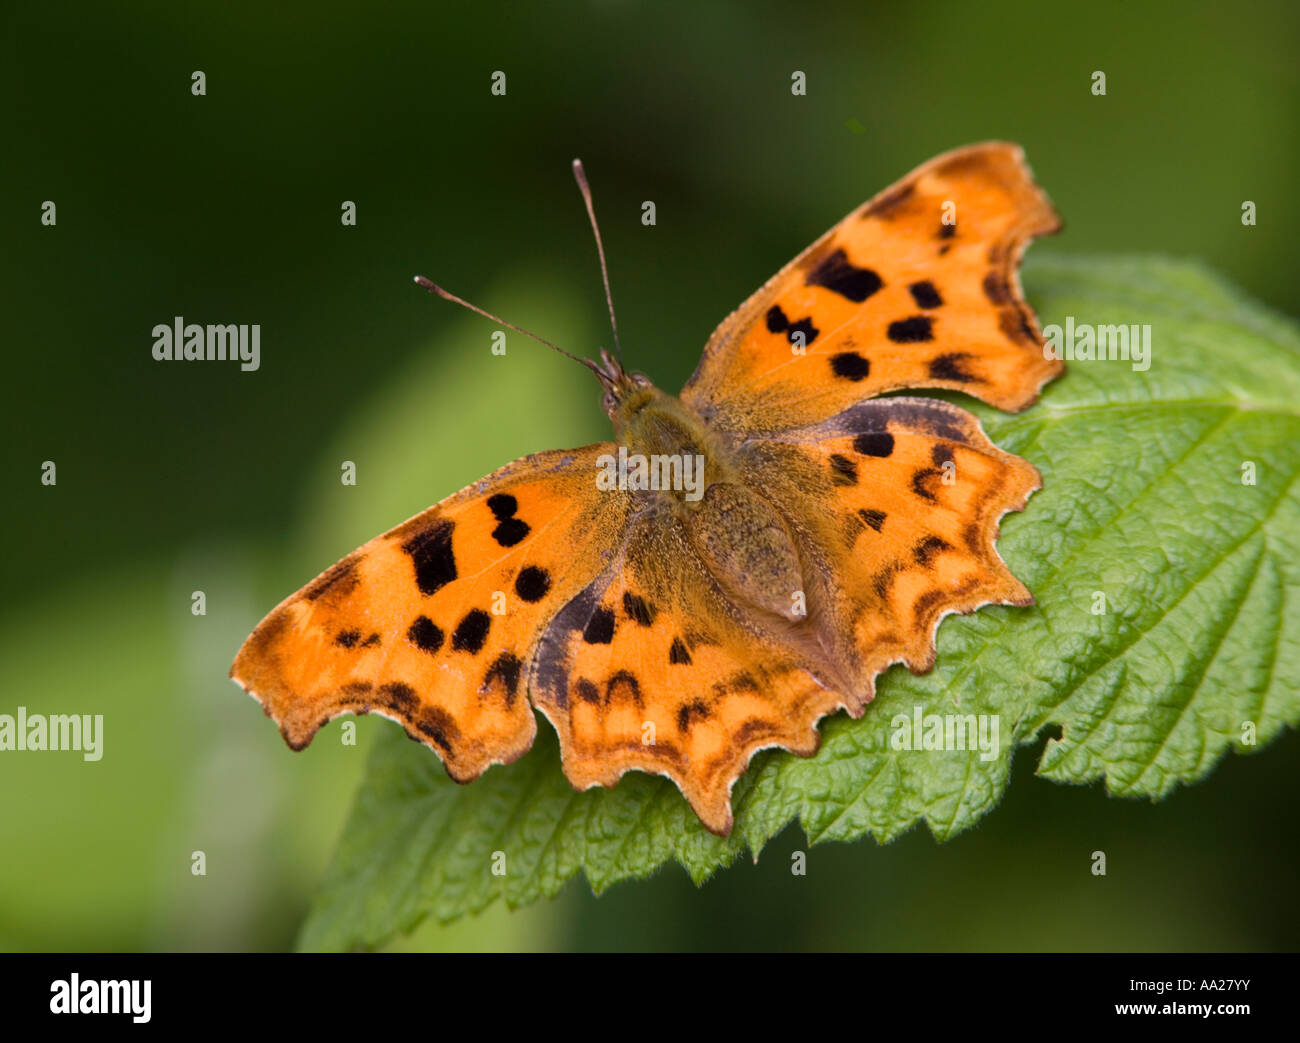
x=874, y=519
x=874, y=443
x=778, y=323
x=843, y=470
x=912, y=330
x=925, y=295
x=638, y=608
x=600, y=627
x=510, y=529
x=347, y=638
x=399, y=697
x=921, y=483
x=532, y=583
x=431, y=554
x=928, y=547
x=850, y=365
x=510, y=532
x=623, y=685
x=837, y=274
x=425, y=634
x=996, y=289
x=804, y=327
x=678, y=654
x=471, y=632
x=948, y=367
x=505, y=668
x=689, y=710
x=438, y=725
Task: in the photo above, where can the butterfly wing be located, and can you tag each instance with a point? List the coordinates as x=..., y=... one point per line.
x=894, y=505
x=918, y=288
x=435, y=623
x=634, y=654
x=652, y=667
x=897, y=503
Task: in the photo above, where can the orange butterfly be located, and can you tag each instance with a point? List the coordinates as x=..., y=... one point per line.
x=744, y=558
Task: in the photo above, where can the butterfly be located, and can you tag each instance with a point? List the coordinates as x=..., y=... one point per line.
x=738, y=561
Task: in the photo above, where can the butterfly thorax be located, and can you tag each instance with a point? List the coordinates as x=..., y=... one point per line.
x=650, y=422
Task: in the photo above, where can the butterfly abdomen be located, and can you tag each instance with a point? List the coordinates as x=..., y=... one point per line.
x=748, y=548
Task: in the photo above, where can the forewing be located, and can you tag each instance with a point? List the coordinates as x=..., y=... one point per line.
x=435, y=622
x=918, y=288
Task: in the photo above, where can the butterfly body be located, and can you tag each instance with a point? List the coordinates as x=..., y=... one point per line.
x=784, y=536
x=650, y=423
x=749, y=550
x=740, y=536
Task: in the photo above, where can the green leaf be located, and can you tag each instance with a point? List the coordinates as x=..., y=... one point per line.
x=1144, y=505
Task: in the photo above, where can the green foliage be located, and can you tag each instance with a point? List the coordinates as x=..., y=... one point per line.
x=1144, y=509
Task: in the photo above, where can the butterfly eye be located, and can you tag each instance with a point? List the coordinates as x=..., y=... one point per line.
x=641, y=380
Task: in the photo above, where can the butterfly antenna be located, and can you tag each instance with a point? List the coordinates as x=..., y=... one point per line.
x=580, y=176
x=433, y=287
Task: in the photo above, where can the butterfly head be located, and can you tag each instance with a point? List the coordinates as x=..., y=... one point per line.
x=624, y=393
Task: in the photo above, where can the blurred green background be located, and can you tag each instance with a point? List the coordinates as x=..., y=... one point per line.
x=226, y=208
